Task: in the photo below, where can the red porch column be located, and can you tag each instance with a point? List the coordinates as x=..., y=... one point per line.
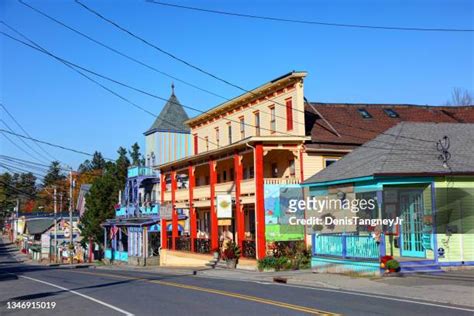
x=214, y=229
x=192, y=210
x=259, y=202
x=164, y=234
x=301, y=151
x=301, y=164
x=174, y=219
x=90, y=250
x=239, y=214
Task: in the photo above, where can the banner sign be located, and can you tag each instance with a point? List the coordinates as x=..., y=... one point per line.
x=166, y=211
x=224, y=206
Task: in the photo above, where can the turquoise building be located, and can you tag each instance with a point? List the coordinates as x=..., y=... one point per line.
x=417, y=181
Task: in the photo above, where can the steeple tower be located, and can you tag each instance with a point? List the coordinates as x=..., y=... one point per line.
x=168, y=138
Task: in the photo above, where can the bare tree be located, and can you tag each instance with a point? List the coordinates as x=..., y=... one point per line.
x=460, y=97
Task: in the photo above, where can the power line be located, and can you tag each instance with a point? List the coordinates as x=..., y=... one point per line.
x=24, y=131
x=131, y=87
x=156, y=47
x=15, y=144
x=51, y=144
x=119, y=52
x=43, y=170
x=70, y=66
x=22, y=170
x=29, y=162
x=26, y=144
x=128, y=56
x=22, y=192
x=173, y=56
x=309, y=22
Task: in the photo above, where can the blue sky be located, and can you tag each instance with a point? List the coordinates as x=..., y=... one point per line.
x=344, y=65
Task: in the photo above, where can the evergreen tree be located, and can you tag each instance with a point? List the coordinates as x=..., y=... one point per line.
x=135, y=155
x=7, y=193
x=103, y=196
x=54, y=175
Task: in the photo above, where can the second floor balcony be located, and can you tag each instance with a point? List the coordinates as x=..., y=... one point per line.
x=137, y=211
x=137, y=171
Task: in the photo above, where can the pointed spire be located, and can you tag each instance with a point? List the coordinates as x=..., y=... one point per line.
x=172, y=88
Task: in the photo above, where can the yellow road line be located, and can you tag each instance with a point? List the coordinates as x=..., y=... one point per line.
x=220, y=292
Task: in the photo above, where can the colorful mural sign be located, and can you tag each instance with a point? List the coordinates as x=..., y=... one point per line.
x=277, y=214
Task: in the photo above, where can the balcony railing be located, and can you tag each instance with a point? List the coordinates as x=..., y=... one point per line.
x=152, y=209
x=346, y=246
x=203, y=191
x=247, y=186
x=131, y=210
x=182, y=195
x=183, y=243
x=225, y=187
x=248, y=249
x=120, y=212
x=140, y=171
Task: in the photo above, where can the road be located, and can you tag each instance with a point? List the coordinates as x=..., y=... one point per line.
x=111, y=292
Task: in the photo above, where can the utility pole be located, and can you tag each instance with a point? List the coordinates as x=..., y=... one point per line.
x=17, y=210
x=55, y=225
x=71, y=206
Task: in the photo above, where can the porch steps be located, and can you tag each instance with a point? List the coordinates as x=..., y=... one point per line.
x=424, y=266
x=216, y=263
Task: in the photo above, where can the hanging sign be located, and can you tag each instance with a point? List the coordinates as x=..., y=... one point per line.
x=224, y=206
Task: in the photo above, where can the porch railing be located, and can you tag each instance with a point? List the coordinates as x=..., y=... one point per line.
x=183, y=243
x=169, y=241
x=202, y=245
x=346, y=246
x=291, y=180
x=248, y=249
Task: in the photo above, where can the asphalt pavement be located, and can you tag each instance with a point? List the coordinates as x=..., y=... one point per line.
x=79, y=291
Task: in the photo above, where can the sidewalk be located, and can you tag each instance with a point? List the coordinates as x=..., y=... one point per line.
x=455, y=287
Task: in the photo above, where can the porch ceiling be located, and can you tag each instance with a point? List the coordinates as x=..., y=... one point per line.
x=227, y=151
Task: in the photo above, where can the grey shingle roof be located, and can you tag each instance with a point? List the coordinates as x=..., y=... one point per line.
x=38, y=225
x=407, y=148
x=171, y=118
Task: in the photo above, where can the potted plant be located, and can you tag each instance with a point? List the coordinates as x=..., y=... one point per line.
x=231, y=255
x=393, y=266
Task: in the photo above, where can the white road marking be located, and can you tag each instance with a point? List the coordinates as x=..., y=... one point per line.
x=344, y=292
x=381, y=297
x=81, y=295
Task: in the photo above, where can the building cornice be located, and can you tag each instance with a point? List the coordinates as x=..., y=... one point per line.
x=248, y=97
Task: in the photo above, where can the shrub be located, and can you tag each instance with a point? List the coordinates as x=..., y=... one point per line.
x=270, y=262
x=393, y=265
x=266, y=263
x=232, y=252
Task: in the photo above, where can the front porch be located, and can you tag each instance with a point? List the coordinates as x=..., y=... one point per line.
x=357, y=246
x=240, y=174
